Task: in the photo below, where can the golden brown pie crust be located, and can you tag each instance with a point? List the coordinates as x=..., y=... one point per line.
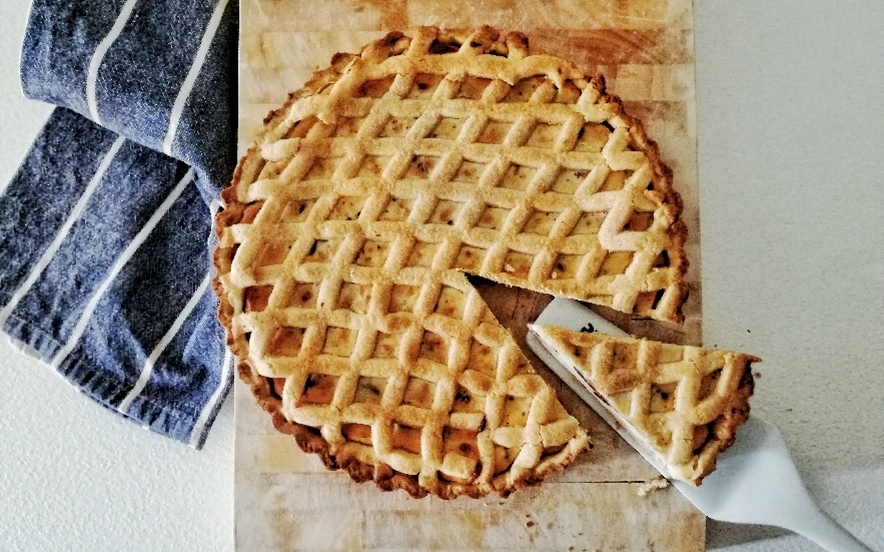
x=593, y=218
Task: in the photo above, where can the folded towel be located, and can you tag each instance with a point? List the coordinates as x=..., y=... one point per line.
x=105, y=230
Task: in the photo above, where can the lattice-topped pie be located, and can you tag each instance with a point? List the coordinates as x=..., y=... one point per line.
x=353, y=220
x=684, y=403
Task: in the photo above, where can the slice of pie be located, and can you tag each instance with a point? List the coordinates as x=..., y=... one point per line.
x=683, y=403
x=353, y=220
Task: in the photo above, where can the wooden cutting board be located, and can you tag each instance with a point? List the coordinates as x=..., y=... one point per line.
x=285, y=499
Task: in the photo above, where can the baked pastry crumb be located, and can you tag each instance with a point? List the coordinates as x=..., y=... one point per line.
x=652, y=485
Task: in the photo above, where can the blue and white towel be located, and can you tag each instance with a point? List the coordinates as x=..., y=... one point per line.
x=105, y=230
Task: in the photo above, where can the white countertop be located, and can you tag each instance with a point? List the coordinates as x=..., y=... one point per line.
x=791, y=126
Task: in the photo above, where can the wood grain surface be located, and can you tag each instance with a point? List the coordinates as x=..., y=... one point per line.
x=285, y=499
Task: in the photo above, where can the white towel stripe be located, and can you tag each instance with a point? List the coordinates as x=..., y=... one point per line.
x=147, y=370
x=98, y=57
x=121, y=261
x=196, y=433
x=190, y=80
x=53, y=248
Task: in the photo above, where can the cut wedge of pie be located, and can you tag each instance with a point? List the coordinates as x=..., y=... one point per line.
x=353, y=220
x=683, y=403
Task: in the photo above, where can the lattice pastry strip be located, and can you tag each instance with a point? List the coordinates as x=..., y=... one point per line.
x=684, y=402
x=352, y=220
x=649, y=285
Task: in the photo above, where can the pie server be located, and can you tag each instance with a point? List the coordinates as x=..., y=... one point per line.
x=755, y=480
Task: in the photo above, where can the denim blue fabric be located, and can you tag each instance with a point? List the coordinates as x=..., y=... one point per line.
x=105, y=229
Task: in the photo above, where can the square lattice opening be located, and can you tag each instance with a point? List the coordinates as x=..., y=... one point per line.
x=256, y=298
x=540, y=223
x=494, y=132
x=517, y=177
x=373, y=165
x=397, y=210
x=492, y=218
x=566, y=266
x=424, y=85
x=623, y=357
x=339, y=341
x=354, y=297
x=303, y=295
x=472, y=88
x=708, y=384
x=543, y=135
x=639, y=221
x=515, y=411
x=466, y=401
x=322, y=169
x=469, y=258
x=663, y=397
x=286, y=341
x=461, y=441
x=357, y=433
x=297, y=211
x=615, y=263
x=322, y=251
x=592, y=137
x=370, y=390
x=374, y=253
x=518, y=264
x=670, y=353
x=419, y=392
x=397, y=127
x=615, y=181
x=447, y=128
x=403, y=298
x=375, y=88
x=568, y=180
x=483, y=358
x=348, y=126
x=421, y=166
x=589, y=223
x=406, y=438
x=318, y=389
x=451, y=302
x=523, y=90
x=347, y=208
x=434, y=347
x=422, y=254
x=445, y=212
x=386, y=345
x=272, y=253
x=469, y=172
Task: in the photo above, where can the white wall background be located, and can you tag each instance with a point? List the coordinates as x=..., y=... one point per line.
x=791, y=124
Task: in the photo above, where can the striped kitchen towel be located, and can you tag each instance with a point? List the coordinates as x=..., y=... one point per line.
x=105, y=230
